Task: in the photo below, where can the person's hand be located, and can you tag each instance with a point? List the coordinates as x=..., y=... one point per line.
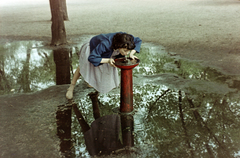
x=132, y=56
x=111, y=62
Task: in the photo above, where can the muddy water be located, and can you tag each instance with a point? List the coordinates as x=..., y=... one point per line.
x=182, y=108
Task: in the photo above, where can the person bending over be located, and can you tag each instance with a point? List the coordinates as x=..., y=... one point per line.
x=96, y=60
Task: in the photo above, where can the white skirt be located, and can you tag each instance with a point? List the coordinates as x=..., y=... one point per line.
x=103, y=78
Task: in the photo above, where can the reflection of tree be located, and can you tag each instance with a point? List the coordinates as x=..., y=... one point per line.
x=29, y=71
x=23, y=78
x=206, y=129
x=185, y=131
x=63, y=120
x=4, y=81
x=198, y=132
x=177, y=125
x=61, y=59
x=28, y=66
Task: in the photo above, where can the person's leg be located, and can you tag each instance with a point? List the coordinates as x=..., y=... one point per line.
x=69, y=94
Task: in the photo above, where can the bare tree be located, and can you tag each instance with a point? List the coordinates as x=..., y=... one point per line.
x=58, y=27
x=64, y=10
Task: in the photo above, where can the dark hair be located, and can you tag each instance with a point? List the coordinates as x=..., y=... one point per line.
x=123, y=40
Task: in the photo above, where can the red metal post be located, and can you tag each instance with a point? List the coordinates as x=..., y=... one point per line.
x=126, y=103
x=126, y=99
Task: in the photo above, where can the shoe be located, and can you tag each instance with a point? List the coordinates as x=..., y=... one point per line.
x=69, y=94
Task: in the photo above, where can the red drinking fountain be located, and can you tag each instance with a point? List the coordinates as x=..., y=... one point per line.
x=126, y=100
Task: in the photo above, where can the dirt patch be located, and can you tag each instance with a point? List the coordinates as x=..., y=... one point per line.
x=28, y=123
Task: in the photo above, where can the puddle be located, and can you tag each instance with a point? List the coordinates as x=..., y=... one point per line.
x=182, y=108
x=29, y=66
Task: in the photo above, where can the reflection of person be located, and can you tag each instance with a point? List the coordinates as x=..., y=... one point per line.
x=104, y=136
x=110, y=134
x=96, y=63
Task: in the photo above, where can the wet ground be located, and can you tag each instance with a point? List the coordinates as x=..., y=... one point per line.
x=181, y=108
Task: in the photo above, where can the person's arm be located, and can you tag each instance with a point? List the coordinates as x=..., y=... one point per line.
x=96, y=59
x=95, y=56
x=109, y=61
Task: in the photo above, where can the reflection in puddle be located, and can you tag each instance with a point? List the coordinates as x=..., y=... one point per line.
x=64, y=121
x=62, y=63
x=28, y=66
x=107, y=135
x=183, y=109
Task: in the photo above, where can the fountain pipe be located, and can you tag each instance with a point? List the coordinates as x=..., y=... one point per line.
x=126, y=103
x=126, y=98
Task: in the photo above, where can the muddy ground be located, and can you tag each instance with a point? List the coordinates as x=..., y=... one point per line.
x=203, y=30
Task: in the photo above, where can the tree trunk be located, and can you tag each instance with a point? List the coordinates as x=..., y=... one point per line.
x=64, y=10
x=58, y=27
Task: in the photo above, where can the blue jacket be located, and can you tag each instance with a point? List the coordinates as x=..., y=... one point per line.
x=100, y=47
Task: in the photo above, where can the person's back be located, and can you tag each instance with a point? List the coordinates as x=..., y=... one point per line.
x=105, y=38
